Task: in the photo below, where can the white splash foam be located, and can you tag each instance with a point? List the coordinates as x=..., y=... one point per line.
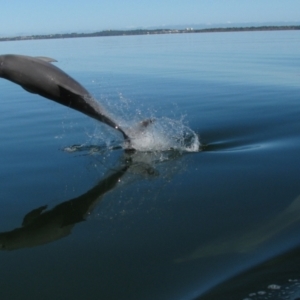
x=162, y=135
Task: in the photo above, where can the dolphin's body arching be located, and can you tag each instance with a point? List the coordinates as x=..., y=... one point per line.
x=37, y=75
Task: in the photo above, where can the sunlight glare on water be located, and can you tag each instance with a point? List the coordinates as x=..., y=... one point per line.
x=289, y=291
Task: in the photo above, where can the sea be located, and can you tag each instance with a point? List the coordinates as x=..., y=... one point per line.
x=206, y=208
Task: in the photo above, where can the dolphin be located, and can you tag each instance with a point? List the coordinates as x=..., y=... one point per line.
x=39, y=76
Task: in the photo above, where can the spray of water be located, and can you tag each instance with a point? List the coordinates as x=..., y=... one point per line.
x=147, y=134
x=162, y=134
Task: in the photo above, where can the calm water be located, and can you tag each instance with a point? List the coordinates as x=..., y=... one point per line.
x=79, y=220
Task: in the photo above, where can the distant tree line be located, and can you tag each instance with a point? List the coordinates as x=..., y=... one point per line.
x=145, y=31
x=253, y=28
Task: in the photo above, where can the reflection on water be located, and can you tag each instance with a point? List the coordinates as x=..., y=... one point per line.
x=252, y=238
x=277, y=279
x=179, y=225
x=42, y=227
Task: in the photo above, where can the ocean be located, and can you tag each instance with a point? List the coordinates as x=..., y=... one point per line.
x=209, y=205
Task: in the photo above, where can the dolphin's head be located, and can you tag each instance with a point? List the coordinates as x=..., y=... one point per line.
x=3, y=241
x=2, y=65
x=11, y=68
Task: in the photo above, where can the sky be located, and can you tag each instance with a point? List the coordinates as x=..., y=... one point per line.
x=66, y=16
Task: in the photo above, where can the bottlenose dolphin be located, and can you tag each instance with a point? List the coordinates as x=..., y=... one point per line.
x=37, y=75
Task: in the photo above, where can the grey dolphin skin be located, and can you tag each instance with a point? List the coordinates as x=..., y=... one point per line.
x=37, y=75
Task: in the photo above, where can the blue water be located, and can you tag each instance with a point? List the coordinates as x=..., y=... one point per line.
x=220, y=223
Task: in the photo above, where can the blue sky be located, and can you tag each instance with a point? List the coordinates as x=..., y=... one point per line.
x=41, y=16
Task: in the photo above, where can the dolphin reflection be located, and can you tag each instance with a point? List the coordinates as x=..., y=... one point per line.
x=250, y=240
x=41, y=227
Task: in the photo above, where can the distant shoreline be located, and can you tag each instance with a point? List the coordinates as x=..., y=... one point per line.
x=146, y=32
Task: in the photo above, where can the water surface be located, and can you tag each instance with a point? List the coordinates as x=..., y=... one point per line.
x=158, y=225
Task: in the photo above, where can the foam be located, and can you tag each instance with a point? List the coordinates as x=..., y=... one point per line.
x=163, y=134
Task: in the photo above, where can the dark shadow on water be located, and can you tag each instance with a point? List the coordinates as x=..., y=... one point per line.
x=41, y=226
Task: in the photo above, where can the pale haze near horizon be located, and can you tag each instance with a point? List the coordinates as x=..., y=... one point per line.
x=57, y=16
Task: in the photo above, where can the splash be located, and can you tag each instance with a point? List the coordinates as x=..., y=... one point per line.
x=148, y=134
x=162, y=134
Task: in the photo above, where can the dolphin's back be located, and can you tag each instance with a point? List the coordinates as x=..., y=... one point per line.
x=39, y=76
